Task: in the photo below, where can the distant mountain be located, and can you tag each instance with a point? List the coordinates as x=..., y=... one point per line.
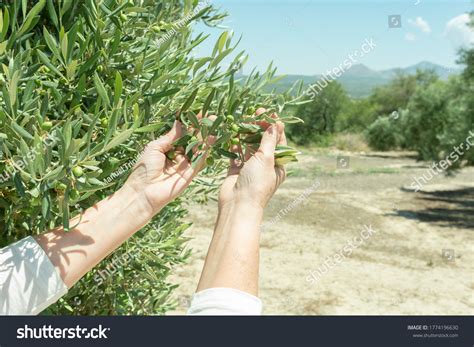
x=442, y=71
x=359, y=81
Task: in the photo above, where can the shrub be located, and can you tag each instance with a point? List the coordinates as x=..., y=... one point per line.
x=382, y=135
x=84, y=87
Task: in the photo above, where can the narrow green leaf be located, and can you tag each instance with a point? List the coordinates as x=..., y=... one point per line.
x=64, y=47
x=20, y=131
x=28, y=23
x=190, y=147
x=119, y=139
x=220, y=43
x=218, y=121
x=52, y=12
x=190, y=100
x=208, y=102
x=227, y=154
x=19, y=184
x=150, y=128
x=12, y=87
x=101, y=91
x=5, y=24
x=194, y=121
x=118, y=88
x=52, y=44
x=3, y=47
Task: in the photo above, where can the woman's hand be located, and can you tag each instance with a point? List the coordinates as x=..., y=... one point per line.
x=233, y=257
x=255, y=181
x=154, y=182
x=159, y=180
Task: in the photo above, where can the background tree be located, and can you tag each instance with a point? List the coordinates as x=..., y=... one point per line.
x=398, y=92
x=357, y=115
x=320, y=114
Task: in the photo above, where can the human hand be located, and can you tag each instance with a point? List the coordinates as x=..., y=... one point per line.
x=159, y=180
x=255, y=181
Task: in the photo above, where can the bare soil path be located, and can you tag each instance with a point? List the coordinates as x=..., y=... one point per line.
x=420, y=261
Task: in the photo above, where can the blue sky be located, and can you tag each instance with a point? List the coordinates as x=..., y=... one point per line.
x=311, y=36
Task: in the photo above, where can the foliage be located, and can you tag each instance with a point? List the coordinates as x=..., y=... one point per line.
x=84, y=85
x=430, y=113
x=382, y=135
x=396, y=95
x=357, y=115
x=319, y=114
x=440, y=116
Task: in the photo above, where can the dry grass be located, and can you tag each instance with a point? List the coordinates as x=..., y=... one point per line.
x=350, y=142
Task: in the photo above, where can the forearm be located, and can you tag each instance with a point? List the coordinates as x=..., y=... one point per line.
x=99, y=231
x=233, y=257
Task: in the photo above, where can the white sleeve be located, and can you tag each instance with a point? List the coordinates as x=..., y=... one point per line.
x=28, y=280
x=224, y=302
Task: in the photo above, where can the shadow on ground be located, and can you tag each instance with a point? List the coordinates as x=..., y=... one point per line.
x=448, y=208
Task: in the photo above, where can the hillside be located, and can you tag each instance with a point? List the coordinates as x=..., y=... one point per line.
x=360, y=80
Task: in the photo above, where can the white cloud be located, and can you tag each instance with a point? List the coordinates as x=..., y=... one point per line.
x=458, y=32
x=421, y=24
x=410, y=37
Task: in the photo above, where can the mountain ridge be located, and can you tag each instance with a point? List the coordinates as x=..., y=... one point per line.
x=360, y=80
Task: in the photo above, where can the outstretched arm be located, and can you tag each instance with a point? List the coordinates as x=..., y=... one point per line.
x=155, y=181
x=232, y=261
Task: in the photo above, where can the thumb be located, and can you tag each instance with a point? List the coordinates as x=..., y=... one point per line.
x=165, y=142
x=269, y=141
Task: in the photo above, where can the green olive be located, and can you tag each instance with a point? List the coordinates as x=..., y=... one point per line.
x=251, y=110
x=156, y=28
x=171, y=155
x=123, y=16
x=210, y=161
x=230, y=118
x=77, y=171
x=47, y=125
x=235, y=128
x=61, y=186
x=104, y=122
x=235, y=141
x=74, y=195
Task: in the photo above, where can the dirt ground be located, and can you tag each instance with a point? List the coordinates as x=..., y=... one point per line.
x=420, y=261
